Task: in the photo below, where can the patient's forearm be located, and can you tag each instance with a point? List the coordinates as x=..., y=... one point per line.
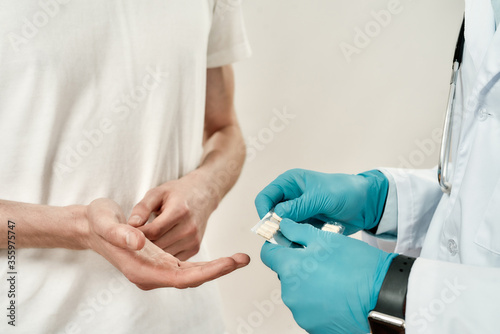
x=41, y=226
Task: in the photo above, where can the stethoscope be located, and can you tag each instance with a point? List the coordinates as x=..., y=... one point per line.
x=444, y=156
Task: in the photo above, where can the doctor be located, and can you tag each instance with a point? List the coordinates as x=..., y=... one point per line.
x=336, y=284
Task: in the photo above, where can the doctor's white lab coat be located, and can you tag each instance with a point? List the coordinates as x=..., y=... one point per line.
x=454, y=286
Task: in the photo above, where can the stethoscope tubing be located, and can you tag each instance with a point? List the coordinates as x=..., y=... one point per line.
x=444, y=155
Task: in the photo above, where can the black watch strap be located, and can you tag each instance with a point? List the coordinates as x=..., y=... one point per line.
x=389, y=313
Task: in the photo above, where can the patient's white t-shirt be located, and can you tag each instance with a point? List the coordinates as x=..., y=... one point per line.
x=104, y=98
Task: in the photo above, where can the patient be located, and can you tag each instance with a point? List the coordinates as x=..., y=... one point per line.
x=116, y=113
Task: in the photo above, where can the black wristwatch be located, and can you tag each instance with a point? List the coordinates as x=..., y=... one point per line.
x=388, y=316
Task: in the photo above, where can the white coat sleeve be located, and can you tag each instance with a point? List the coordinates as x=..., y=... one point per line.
x=447, y=297
x=412, y=199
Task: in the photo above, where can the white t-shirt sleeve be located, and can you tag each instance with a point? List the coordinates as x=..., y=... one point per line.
x=227, y=41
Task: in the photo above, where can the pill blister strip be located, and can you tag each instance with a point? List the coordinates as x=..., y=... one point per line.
x=269, y=229
x=333, y=227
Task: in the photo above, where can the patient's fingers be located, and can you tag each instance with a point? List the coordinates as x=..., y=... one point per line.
x=195, y=274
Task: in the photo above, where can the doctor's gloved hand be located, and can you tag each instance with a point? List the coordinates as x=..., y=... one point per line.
x=330, y=285
x=357, y=201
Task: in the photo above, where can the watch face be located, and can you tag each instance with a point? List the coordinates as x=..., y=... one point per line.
x=380, y=327
x=381, y=323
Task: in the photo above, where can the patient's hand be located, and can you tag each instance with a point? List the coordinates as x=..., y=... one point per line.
x=142, y=262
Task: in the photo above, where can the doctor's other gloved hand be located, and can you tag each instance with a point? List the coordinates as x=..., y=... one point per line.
x=330, y=285
x=357, y=201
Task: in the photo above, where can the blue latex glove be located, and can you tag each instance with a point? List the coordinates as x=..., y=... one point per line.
x=357, y=201
x=330, y=285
